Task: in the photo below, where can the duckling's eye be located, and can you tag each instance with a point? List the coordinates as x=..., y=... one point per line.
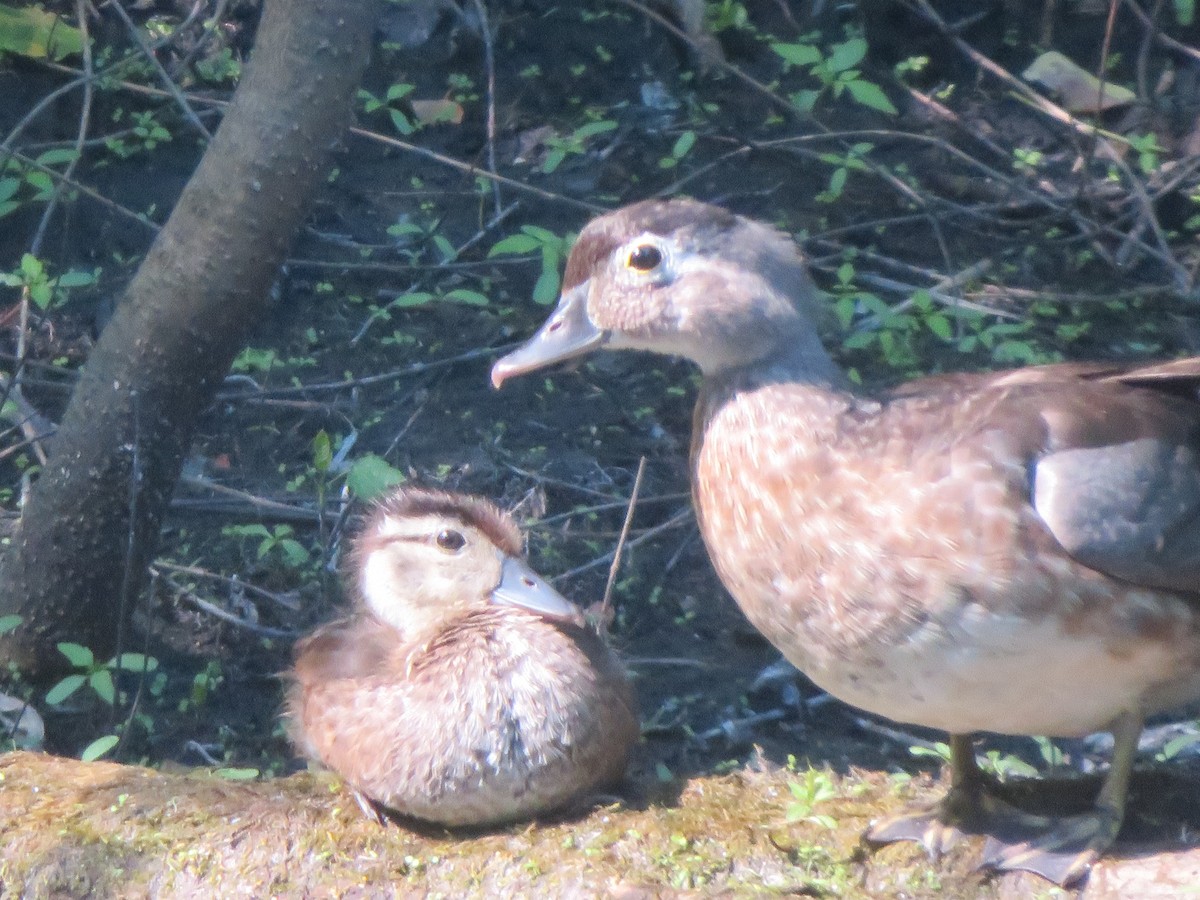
x=645, y=258
x=451, y=541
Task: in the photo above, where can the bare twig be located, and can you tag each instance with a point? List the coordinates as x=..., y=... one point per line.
x=489, y=63
x=606, y=601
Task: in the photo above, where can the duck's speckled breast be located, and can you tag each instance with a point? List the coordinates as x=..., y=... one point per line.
x=907, y=573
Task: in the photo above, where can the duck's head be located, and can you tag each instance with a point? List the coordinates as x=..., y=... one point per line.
x=678, y=277
x=427, y=558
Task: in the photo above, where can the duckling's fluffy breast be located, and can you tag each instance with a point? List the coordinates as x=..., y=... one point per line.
x=501, y=716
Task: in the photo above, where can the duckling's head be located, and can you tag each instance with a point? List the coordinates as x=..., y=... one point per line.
x=678, y=277
x=426, y=558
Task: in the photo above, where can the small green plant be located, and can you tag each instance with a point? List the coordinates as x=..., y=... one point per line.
x=1176, y=745
x=45, y=291
x=682, y=147
x=204, y=683
x=852, y=160
x=836, y=72
x=813, y=789
x=553, y=250
x=278, y=541
x=144, y=135
x=1026, y=160
x=98, y=676
x=401, y=120
x=573, y=144
x=8, y=623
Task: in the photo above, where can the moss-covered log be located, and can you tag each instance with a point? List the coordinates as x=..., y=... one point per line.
x=106, y=830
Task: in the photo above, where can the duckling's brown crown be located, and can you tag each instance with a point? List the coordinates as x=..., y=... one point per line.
x=413, y=502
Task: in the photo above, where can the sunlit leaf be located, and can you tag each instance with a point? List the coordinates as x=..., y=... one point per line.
x=371, y=475
x=33, y=32
x=99, y=747
x=64, y=689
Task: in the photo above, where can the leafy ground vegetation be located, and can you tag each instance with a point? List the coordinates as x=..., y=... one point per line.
x=977, y=185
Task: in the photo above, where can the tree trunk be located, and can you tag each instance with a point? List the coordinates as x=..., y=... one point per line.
x=80, y=552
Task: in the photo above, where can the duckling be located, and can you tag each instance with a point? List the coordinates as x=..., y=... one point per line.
x=461, y=688
x=1013, y=552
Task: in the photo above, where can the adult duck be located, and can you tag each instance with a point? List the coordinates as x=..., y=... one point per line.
x=461, y=688
x=1014, y=552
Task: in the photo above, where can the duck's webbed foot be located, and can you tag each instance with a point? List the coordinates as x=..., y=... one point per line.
x=1061, y=849
x=968, y=808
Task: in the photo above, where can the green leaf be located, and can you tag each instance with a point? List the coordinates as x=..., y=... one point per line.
x=32, y=267
x=8, y=187
x=514, y=244
x=41, y=294
x=545, y=291
x=553, y=160
x=398, y=91
x=294, y=552
x=35, y=33
x=58, y=156
x=591, y=129
x=236, y=774
x=798, y=54
x=102, y=683
x=462, y=295
x=80, y=656
x=74, y=279
x=416, y=298
x=99, y=747
x=401, y=122
x=846, y=55
x=686, y=141
x=64, y=689
x=371, y=475
x=543, y=235
x=1185, y=11
x=322, y=451
x=8, y=623
x=805, y=100
x=940, y=326
x=871, y=95
x=134, y=662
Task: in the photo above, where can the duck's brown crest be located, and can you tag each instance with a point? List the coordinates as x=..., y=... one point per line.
x=661, y=217
x=408, y=502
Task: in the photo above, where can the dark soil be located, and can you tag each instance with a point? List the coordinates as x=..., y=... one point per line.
x=563, y=450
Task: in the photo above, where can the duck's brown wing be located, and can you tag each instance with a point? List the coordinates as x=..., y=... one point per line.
x=1112, y=452
x=1118, y=480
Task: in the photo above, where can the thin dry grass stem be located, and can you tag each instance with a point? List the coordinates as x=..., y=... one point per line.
x=606, y=601
x=184, y=593
x=680, y=518
x=260, y=506
x=287, y=600
x=489, y=64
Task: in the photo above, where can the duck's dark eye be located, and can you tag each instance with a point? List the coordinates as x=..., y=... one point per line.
x=645, y=258
x=451, y=541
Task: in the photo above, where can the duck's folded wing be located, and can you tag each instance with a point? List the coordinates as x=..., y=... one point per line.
x=1128, y=505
